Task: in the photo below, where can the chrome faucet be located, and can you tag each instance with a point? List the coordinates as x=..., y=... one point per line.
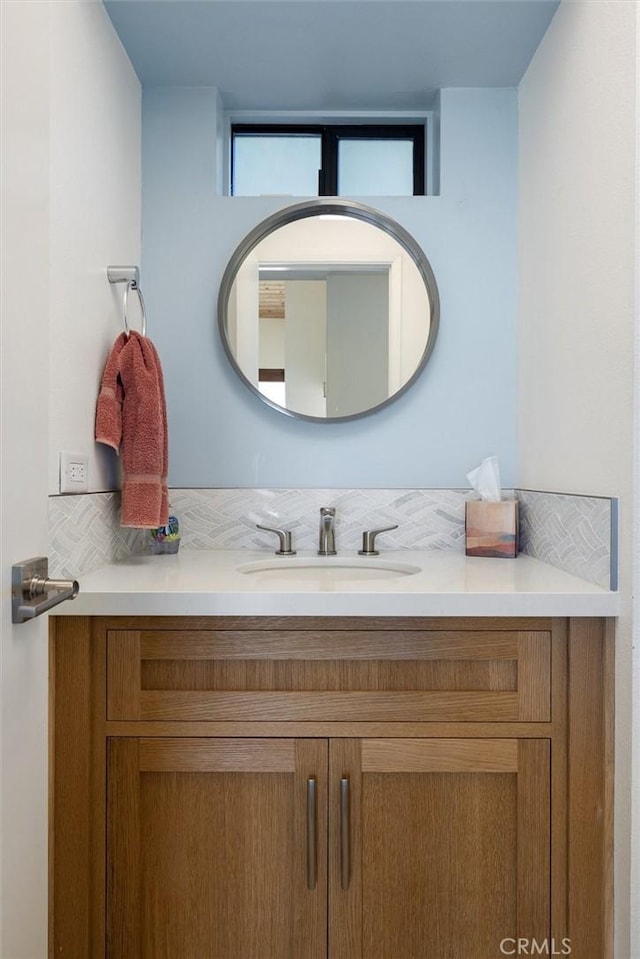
x=327, y=546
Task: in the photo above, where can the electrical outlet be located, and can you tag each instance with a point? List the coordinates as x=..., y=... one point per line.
x=74, y=472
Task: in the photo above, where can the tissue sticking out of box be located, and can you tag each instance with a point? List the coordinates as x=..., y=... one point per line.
x=491, y=524
x=485, y=480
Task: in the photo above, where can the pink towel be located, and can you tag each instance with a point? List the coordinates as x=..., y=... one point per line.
x=131, y=417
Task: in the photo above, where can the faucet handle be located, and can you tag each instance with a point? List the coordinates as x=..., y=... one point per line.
x=284, y=535
x=369, y=540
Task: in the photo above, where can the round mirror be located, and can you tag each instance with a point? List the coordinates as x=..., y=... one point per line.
x=328, y=310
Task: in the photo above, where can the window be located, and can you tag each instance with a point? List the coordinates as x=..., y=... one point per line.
x=337, y=160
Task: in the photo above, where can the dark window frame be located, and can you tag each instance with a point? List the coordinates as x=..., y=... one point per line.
x=331, y=134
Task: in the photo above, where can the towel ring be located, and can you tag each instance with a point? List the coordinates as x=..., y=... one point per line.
x=132, y=285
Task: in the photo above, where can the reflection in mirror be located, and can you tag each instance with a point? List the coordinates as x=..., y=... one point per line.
x=312, y=323
x=328, y=317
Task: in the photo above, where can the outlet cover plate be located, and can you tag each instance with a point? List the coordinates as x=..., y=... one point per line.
x=74, y=472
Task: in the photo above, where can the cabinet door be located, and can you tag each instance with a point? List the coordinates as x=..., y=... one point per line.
x=215, y=849
x=437, y=847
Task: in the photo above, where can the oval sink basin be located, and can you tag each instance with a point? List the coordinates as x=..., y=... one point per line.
x=323, y=569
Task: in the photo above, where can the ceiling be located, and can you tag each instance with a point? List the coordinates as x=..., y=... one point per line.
x=330, y=54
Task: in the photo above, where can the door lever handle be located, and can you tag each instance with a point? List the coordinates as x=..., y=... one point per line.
x=33, y=593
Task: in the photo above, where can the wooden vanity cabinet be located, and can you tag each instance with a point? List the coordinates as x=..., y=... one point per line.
x=264, y=788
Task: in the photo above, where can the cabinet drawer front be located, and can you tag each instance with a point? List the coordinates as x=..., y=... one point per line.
x=340, y=675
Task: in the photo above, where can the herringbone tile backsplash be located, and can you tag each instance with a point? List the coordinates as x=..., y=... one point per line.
x=575, y=533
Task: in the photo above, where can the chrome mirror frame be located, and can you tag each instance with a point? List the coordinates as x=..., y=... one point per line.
x=327, y=206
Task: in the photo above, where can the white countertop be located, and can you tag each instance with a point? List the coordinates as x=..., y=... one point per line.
x=208, y=583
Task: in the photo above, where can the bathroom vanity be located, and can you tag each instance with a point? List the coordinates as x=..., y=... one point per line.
x=261, y=785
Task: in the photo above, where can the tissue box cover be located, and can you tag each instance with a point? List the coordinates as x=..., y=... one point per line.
x=492, y=528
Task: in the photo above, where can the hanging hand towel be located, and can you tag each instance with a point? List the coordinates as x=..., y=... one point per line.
x=109, y=406
x=164, y=505
x=131, y=416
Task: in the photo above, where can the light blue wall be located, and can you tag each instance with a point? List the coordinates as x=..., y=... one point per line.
x=461, y=409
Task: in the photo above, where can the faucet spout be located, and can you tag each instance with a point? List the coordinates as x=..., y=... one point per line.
x=327, y=545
